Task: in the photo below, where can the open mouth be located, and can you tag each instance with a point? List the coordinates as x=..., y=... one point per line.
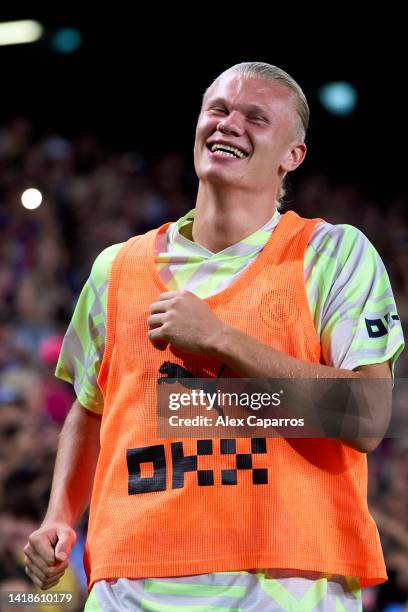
x=224, y=150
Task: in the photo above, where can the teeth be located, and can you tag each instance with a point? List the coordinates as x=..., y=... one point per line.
x=225, y=154
x=222, y=147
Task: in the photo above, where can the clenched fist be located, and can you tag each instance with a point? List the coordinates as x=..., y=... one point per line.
x=185, y=321
x=46, y=553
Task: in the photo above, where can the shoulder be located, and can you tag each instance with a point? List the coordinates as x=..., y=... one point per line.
x=103, y=264
x=342, y=242
x=329, y=236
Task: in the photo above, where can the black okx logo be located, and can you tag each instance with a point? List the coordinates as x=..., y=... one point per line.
x=181, y=464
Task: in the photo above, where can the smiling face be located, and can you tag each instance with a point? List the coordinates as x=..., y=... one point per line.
x=246, y=134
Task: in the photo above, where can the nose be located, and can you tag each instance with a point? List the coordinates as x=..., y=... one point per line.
x=231, y=124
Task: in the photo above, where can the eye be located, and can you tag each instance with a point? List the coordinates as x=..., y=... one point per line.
x=219, y=110
x=258, y=119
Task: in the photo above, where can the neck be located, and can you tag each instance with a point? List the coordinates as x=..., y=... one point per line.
x=226, y=216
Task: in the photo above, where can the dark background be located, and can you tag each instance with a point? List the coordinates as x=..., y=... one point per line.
x=137, y=81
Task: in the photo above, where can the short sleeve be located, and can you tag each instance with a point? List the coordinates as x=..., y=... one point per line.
x=351, y=299
x=84, y=342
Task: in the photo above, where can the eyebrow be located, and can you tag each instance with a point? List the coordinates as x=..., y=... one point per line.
x=252, y=108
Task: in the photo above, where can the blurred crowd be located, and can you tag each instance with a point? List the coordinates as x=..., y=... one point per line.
x=94, y=197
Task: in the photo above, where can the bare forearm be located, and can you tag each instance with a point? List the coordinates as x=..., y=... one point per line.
x=344, y=413
x=250, y=358
x=74, y=471
x=357, y=413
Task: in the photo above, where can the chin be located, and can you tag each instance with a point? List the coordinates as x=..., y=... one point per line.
x=219, y=176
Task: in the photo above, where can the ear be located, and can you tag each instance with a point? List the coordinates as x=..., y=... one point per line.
x=294, y=157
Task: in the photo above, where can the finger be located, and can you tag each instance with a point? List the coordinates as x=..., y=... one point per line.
x=55, y=577
x=43, y=547
x=45, y=587
x=41, y=580
x=47, y=574
x=156, y=334
x=157, y=340
x=36, y=575
x=32, y=557
x=49, y=586
x=168, y=295
x=155, y=321
x=158, y=307
x=33, y=577
x=66, y=540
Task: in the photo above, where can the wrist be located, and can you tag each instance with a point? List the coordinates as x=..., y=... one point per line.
x=218, y=345
x=57, y=516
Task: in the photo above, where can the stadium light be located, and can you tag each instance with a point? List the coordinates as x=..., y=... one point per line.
x=20, y=32
x=66, y=40
x=31, y=198
x=338, y=98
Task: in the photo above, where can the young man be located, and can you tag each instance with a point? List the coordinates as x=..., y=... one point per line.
x=234, y=287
